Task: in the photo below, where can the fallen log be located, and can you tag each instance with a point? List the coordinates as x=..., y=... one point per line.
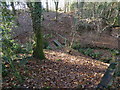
x=57, y=43
x=108, y=76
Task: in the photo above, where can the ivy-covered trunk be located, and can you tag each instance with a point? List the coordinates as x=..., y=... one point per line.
x=38, y=50
x=36, y=12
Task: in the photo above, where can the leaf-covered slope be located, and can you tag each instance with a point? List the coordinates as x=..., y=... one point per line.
x=63, y=70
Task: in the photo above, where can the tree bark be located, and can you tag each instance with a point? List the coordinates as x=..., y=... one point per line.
x=14, y=13
x=47, y=7
x=56, y=8
x=13, y=8
x=81, y=6
x=65, y=5
x=36, y=12
x=119, y=13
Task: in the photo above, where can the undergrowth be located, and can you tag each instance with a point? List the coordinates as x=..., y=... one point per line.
x=89, y=51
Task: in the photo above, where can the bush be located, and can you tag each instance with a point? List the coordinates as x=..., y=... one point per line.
x=45, y=44
x=76, y=46
x=87, y=51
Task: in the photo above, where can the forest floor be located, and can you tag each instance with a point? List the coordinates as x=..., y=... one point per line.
x=61, y=68
x=64, y=29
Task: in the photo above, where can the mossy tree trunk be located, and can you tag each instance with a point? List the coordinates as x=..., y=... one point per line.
x=36, y=12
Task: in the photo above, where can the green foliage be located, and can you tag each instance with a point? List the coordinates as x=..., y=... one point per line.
x=45, y=44
x=73, y=6
x=97, y=55
x=90, y=52
x=46, y=88
x=106, y=59
x=59, y=59
x=115, y=52
x=104, y=14
x=10, y=52
x=106, y=11
x=5, y=71
x=9, y=47
x=26, y=48
x=118, y=74
x=8, y=55
x=76, y=45
x=87, y=51
x=47, y=36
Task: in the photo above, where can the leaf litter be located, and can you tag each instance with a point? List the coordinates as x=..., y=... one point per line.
x=61, y=70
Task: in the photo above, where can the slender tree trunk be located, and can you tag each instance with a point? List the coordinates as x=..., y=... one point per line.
x=36, y=12
x=47, y=7
x=94, y=9
x=82, y=5
x=119, y=13
x=14, y=13
x=68, y=6
x=65, y=5
x=13, y=8
x=119, y=38
x=56, y=8
x=77, y=4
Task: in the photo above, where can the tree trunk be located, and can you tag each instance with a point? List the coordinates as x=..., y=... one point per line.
x=14, y=13
x=47, y=8
x=94, y=9
x=119, y=38
x=119, y=13
x=56, y=8
x=36, y=12
x=13, y=8
x=65, y=5
x=81, y=6
x=68, y=5
x=38, y=50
